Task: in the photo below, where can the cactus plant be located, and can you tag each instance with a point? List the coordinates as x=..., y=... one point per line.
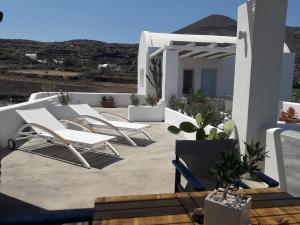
x=156, y=81
x=202, y=122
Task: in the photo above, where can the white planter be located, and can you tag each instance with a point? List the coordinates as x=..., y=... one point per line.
x=217, y=213
x=146, y=113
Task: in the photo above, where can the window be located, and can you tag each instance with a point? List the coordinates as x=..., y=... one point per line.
x=188, y=77
x=209, y=82
x=142, y=78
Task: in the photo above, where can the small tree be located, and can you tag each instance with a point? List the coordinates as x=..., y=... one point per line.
x=156, y=71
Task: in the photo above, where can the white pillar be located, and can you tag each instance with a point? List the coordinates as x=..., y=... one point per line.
x=170, y=74
x=258, y=64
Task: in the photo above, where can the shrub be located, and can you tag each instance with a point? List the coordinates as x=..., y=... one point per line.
x=134, y=100
x=151, y=100
x=64, y=98
x=176, y=103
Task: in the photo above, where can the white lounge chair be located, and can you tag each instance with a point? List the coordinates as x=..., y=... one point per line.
x=44, y=125
x=88, y=116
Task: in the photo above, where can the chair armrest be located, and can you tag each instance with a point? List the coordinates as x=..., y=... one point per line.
x=266, y=179
x=194, y=181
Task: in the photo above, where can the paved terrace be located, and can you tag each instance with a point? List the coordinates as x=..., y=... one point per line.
x=41, y=181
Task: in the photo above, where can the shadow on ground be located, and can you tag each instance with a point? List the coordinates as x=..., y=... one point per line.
x=97, y=160
x=16, y=211
x=139, y=141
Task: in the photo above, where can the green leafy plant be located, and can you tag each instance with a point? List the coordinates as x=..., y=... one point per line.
x=176, y=103
x=134, y=100
x=228, y=169
x=254, y=154
x=230, y=166
x=151, y=100
x=202, y=122
x=296, y=95
x=64, y=98
x=156, y=71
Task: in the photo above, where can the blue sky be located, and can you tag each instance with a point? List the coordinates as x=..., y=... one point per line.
x=111, y=20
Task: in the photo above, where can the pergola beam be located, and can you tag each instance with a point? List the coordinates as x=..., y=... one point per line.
x=221, y=55
x=157, y=52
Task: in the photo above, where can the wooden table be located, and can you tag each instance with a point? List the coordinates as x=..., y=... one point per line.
x=268, y=207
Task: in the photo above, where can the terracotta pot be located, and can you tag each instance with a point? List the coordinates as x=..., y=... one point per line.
x=107, y=104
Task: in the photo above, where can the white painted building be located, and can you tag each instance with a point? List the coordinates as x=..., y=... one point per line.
x=204, y=62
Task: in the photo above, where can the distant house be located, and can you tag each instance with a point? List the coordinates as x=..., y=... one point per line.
x=43, y=61
x=204, y=62
x=31, y=55
x=113, y=67
x=58, y=61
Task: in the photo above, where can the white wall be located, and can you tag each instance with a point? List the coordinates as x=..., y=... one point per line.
x=287, y=75
x=225, y=79
x=93, y=99
x=11, y=121
x=283, y=106
x=197, y=65
x=283, y=144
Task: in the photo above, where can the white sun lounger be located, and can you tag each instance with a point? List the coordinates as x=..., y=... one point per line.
x=46, y=126
x=88, y=115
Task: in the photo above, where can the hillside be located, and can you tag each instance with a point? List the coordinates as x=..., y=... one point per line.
x=76, y=55
x=29, y=66
x=222, y=25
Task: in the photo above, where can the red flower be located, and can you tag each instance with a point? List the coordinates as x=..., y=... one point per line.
x=283, y=116
x=291, y=112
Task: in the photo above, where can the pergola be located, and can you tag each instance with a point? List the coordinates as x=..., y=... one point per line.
x=196, y=50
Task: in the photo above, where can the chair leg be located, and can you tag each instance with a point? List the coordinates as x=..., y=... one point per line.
x=147, y=135
x=78, y=156
x=177, y=180
x=113, y=149
x=128, y=138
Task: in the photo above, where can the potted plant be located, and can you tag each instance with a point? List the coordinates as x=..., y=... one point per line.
x=142, y=113
x=289, y=116
x=107, y=102
x=225, y=200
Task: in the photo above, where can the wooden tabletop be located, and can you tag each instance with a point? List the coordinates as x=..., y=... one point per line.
x=269, y=206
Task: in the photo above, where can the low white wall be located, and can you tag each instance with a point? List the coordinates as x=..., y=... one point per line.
x=11, y=121
x=146, y=113
x=282, y=145
x=283, y=106
x=92, y=99
x=175, y=118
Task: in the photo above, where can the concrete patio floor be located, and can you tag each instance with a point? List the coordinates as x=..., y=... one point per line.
x=51, y=184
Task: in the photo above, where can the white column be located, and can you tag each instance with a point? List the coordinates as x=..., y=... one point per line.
x=170, y=74
x=258, y=65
